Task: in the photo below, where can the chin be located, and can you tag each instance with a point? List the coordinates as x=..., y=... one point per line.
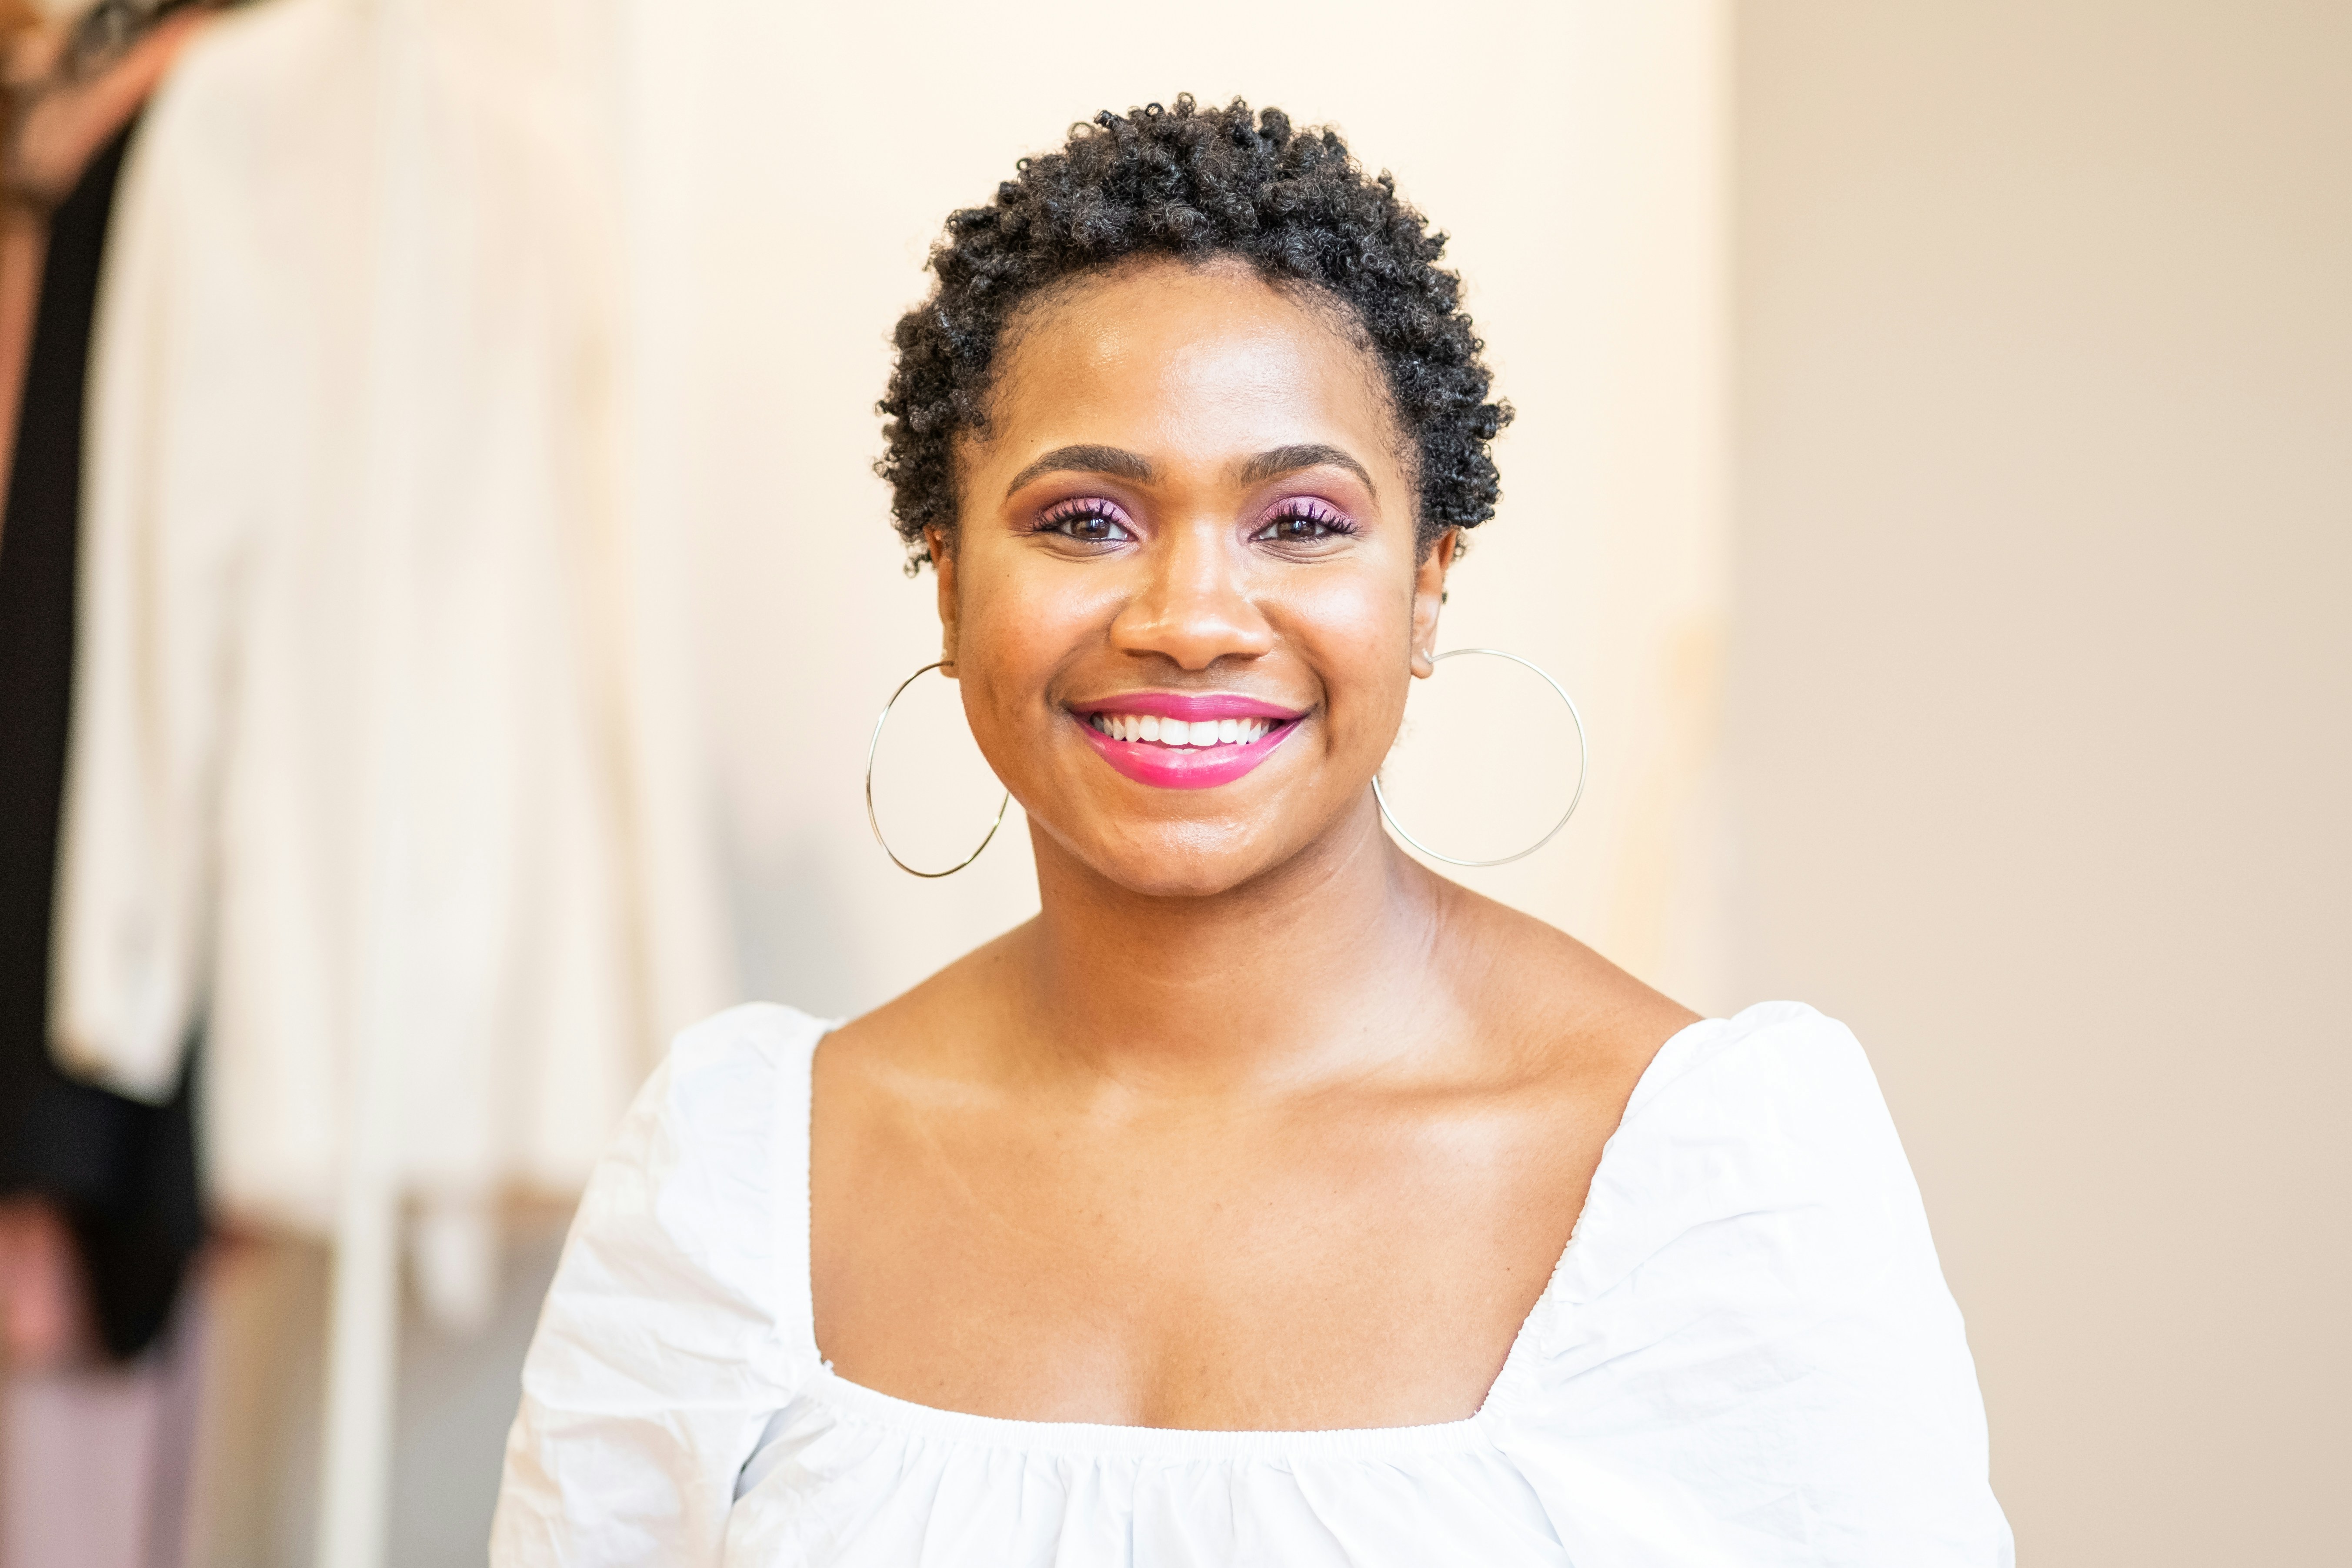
x=1177, y=859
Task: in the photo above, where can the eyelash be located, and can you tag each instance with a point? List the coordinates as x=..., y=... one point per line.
x=1321, y=516
x=1305, y=510
x=1059, y=516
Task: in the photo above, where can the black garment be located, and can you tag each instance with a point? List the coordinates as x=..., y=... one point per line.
x=124, y=1173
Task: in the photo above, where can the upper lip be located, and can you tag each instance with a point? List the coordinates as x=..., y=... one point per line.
x=1188, y=705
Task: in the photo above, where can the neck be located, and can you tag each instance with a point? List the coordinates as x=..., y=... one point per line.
x=1305, y=971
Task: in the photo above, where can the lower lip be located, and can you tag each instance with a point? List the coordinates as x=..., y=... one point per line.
x=1182, y=767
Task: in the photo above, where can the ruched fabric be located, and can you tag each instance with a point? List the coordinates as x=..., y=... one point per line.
x=1747, y=1355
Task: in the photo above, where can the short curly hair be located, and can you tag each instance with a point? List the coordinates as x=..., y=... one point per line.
x=1195, y=184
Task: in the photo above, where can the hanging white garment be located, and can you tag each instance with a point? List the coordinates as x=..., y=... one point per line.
x=376, y=708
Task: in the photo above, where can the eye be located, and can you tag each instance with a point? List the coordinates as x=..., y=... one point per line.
x=1303, y=519
x=1088, y=522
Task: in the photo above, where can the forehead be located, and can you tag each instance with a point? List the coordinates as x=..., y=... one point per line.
x=1186, y=361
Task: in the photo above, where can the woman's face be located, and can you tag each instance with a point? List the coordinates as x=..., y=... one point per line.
x=1191, y=518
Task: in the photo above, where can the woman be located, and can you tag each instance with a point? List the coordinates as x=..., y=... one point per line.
x=1223, y=1212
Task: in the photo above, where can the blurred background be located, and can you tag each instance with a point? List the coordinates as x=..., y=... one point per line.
x=444, y=603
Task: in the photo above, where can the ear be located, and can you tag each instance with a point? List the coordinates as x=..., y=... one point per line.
x=944, y=565
x=1428, y=594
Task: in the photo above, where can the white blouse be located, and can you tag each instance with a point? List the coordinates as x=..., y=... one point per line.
x=1747, y=1355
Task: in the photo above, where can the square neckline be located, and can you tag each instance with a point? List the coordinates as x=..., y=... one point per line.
x=855, y=1401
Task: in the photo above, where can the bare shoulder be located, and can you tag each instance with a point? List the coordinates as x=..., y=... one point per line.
x=935, y=1031
x=1550, y=1005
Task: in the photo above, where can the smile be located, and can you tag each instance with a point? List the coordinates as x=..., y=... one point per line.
x=1164, y=732
x=1174, y=741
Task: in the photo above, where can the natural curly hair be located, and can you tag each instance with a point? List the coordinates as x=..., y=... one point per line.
x=1195, y=183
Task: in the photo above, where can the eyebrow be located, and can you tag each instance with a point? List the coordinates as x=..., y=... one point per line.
x=1126, y=464
x=1290, y=459
x=1086, y=459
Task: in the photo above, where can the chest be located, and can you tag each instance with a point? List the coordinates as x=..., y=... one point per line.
x=1292, y=1268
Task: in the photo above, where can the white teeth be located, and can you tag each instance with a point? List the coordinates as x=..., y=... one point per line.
x=1178, y=731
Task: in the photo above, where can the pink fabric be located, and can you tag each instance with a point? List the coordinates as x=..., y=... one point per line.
x=94, y=1459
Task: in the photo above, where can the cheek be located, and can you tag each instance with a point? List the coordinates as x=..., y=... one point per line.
x=1014, y=632
x=1356, y=631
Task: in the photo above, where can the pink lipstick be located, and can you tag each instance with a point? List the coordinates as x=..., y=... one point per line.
x=1173, y=740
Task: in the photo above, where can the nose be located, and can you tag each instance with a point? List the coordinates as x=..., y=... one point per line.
x=1193, y=607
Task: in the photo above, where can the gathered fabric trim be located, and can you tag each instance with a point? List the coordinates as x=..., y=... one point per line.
x=854, y=1403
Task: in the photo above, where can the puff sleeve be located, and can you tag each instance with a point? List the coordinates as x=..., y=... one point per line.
x=1748, y=1354
x=677, y=1323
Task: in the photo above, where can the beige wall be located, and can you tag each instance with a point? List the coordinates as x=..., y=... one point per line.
x=2039, y=720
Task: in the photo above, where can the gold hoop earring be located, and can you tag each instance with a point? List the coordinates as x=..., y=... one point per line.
x=1583, y=767
x=875, y=822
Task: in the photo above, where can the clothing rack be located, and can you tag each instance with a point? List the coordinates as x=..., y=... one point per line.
x=364, y=1344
